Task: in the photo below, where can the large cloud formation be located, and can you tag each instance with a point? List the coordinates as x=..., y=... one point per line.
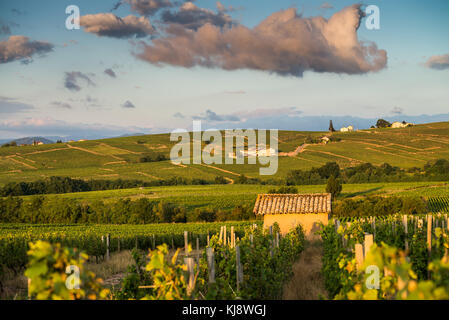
x=109, y=25
x=438, y=62
x=284, y=43
x=21, y=48
x=193, y=17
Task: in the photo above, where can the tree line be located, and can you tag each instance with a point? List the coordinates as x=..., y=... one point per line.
x=57, y=185
x=368, y=173
x=123, y=211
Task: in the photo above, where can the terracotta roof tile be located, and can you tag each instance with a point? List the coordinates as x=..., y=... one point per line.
x=293, y=203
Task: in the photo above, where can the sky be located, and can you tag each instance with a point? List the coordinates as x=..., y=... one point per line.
x=151, y=66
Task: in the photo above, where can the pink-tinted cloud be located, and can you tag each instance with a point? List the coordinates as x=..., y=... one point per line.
x=109, y=25
x=440, y=62
x=22, y=48
x=284, y=43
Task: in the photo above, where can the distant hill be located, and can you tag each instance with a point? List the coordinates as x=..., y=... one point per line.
x=29, y=140
x=125, y=157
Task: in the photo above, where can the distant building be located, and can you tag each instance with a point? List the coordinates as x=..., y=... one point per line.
x=402, y=124
x=325, y=140
x=347, y=129
x=262, y=152
x=37, y=143
x=81, y=140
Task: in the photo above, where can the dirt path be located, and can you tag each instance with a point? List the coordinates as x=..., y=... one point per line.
x=307, y=282
x=295, y=152
x=223, y=170
x=123, y=151
x=149, y=175
x=93, y=152
x=22, y=163
x=231, y=181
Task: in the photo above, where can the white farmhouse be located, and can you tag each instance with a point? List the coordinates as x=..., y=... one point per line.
x=262, y=152
x=402, y=124
x=347, y=129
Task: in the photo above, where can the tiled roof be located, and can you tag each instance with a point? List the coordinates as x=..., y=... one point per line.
x=293, y=203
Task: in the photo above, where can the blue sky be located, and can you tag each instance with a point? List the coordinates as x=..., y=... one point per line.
x=34, y=98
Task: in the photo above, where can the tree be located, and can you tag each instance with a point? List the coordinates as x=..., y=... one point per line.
x=329, y=169
x=381, y=123
x=331, y=127
x=334, y=186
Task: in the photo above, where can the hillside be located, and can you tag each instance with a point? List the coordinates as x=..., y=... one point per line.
x=120, y=157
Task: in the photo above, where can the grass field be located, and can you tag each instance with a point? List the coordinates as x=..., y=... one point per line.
x=119, y=157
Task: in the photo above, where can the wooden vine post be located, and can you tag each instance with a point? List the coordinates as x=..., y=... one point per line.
x=190, y=269
x=210, y=264
x=225, y=235
x=186, y=242
x=404, y=222
x=107, y=246
x=369, y=240
x=429, y=233
x=238, y=267
x=359, y=256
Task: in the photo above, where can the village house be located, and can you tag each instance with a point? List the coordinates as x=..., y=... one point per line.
x=325, y=140
x=347, y=129
x=262, y=152
x=402, y=124
x=289, y=210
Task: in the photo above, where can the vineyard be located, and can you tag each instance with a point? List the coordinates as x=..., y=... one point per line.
x=438, y=204
x=409, y=253
x=92, y=239
x=382, y=257
x=254, y=266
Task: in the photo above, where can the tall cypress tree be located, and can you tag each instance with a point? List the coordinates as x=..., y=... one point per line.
x=331, y=127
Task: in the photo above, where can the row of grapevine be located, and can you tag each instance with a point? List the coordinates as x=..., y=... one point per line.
x=14, y=238
x=438, y=204
x=421, y=240
x=254, y=266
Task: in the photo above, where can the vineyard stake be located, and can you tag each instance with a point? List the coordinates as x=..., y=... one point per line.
x=118, y=244
x=404, y=222
x=210, y=264
x=277, y=239
x=225, y=235
x=186, y=243
x=221, y=234
x=369, y=240
x=359, y=256
x=29, y=288
x=198, y=245
x=107, y=246
x=190, y=269
x=232, y=237
x=429, y=233
x=238, y=267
